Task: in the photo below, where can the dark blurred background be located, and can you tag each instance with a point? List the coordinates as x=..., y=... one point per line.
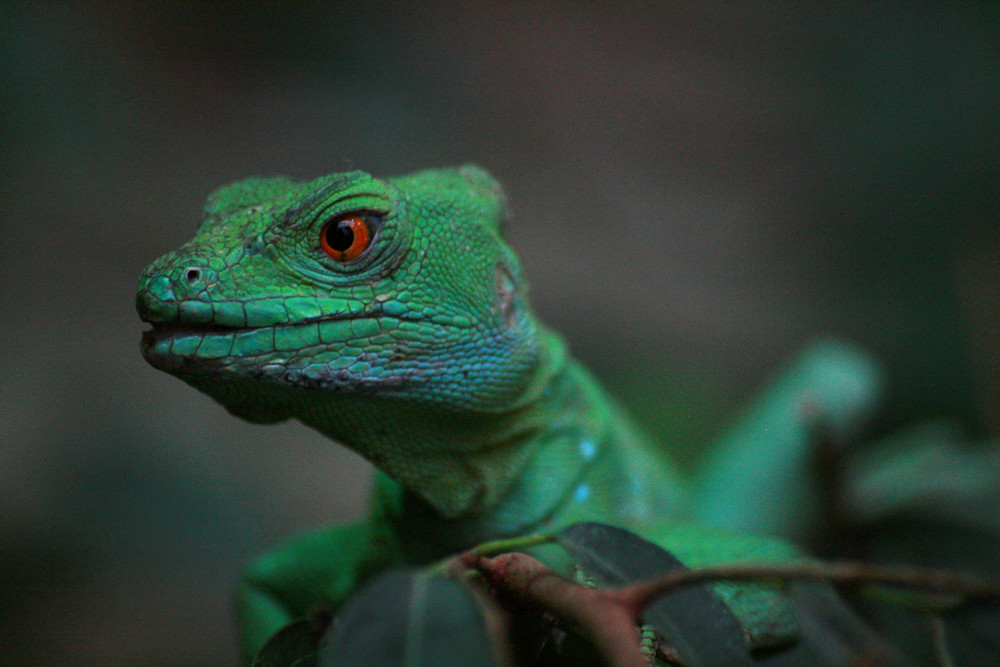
x=699, y=189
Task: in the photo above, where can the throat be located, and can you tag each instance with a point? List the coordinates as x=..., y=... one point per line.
x=524, y=480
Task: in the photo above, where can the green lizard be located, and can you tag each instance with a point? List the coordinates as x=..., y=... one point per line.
x=391, y=316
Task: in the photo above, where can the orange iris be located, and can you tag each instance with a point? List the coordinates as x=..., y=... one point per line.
x=345, y=238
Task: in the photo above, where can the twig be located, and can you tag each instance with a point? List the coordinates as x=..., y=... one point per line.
x=463, y=560
x=610, y=617
x=926, y=580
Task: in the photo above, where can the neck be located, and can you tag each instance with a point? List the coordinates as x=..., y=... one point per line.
x=567, y=454
x=464, y=463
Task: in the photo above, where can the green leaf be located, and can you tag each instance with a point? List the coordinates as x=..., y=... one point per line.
x=692, y=620
x=925, y=468
x=409, y=618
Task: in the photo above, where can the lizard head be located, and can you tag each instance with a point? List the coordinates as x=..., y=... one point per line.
x=354, y=304
x=345, y=284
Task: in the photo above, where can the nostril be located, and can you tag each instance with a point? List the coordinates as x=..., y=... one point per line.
x=192, y=275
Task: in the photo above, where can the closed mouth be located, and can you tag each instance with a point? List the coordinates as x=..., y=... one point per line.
x=163, y=329
x=169, y=344
x=166, y=344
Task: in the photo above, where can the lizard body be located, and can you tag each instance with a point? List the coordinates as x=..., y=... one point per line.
x=391, y=316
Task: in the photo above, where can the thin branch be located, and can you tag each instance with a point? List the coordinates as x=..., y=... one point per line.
x=939, y=582
x=464, y=560
x=610, y=617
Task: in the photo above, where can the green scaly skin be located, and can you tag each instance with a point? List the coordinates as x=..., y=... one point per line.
x=421, y=354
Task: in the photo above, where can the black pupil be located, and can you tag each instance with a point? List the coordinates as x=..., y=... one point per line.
x=340, y=236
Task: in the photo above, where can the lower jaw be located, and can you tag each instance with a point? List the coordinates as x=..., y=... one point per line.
x=174, y=352
x=249, y=355
x=235, y=356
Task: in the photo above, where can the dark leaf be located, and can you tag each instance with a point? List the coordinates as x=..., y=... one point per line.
x=703, y=630
x=692, y=620
x=412, y=619
x=295, y=645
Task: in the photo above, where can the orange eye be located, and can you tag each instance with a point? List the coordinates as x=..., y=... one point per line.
x=345, y=238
